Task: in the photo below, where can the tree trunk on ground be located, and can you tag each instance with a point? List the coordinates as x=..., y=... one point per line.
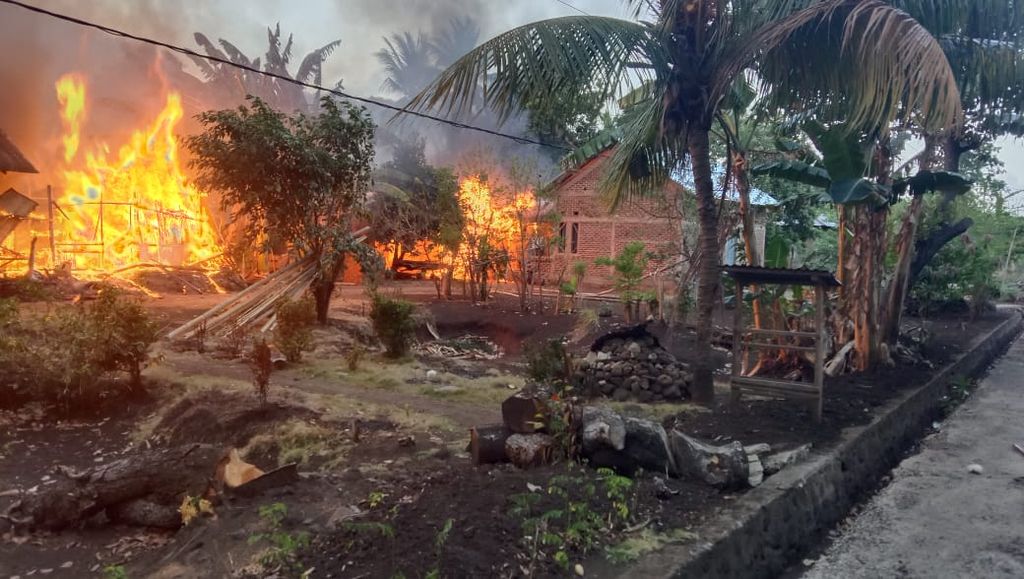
x=161, y=477
x=707, y=277
x=487, y=444
x=323, y=288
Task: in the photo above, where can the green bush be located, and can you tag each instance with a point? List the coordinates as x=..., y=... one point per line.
x=960, y=277
x=62, y=355
x=294, y=332
x=394, y=324
x=629, y=266
x=547, y=362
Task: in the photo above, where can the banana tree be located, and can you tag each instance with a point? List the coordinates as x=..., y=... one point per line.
x=853, y=171
x=689, y=53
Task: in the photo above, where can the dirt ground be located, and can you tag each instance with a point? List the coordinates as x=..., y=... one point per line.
x=374, y=505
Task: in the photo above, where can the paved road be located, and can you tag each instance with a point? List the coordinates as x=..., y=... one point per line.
x=935, y=519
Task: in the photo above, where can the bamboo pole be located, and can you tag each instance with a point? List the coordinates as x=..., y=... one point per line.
x=187, y=326
x=49, y=219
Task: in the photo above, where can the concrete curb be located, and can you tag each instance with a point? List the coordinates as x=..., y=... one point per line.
x=769, y=527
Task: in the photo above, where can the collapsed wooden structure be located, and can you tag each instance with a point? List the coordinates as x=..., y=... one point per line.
x=745, y=338
x=254, y=308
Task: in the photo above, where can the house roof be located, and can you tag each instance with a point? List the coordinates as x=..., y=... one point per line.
x=11, y=159
x=684, y=178
x=772, y=275
x=757, y=197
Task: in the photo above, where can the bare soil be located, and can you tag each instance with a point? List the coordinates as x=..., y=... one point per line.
x=409, y=452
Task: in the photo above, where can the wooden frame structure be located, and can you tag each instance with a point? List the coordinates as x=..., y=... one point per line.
x=744, y=337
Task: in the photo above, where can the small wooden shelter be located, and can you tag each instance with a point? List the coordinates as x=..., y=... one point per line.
x=745, y=338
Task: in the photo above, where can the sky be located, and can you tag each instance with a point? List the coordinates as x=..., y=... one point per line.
x=361, y=25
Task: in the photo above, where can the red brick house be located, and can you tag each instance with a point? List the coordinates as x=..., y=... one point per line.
x=588, y=230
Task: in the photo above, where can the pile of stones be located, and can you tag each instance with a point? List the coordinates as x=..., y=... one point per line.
x=631, y=365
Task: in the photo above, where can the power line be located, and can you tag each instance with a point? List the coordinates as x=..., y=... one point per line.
x=580, y=10
x=281, y=77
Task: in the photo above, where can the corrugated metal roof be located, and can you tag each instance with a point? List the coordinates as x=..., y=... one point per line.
x=11, y=159
x=775, y=275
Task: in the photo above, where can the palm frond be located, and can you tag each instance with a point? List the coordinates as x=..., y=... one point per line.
x=544, y=57
x=313, y=63
x=209, y=47
x=644, y=159
x=236, y=55
x=886, y=67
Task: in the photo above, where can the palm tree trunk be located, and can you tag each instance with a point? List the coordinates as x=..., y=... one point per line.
x=707, y=276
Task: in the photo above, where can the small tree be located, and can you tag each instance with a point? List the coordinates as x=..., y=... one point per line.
x=262, y=364
x=629, y=267
x=295, y=179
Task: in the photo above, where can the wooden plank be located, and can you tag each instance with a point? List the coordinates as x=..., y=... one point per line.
x=737, y=342
x=819, y=356
x=775, y=392
x=787, y=385
x=796, y=334
x=770, y=346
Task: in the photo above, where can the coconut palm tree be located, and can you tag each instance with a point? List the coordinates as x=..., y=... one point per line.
x=677, y=66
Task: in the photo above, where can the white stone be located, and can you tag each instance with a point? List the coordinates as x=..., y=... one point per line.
x=975, y=468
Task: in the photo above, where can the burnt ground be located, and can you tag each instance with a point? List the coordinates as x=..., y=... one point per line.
x=348, y=487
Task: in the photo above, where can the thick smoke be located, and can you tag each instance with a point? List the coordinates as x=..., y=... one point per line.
x=126, y=80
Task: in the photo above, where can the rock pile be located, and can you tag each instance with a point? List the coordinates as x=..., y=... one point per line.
x=630, y=364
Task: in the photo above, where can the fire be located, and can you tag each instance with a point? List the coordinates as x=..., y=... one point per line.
x=71, y=95
x=133, y=206
x=494, y=222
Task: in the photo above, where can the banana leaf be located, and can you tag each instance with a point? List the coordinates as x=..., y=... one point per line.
x=797, y=171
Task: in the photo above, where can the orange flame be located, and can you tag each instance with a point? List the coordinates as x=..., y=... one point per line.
x=500, y=219
x=71, y=95
x=134, y=206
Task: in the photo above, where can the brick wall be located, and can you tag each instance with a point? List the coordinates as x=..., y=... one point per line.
x=602, y=233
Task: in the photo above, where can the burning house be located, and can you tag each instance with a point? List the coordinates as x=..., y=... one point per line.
x=14, y=207
x=112, y=205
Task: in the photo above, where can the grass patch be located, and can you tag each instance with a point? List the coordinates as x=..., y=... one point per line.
x=645, y=542
x=301, y=442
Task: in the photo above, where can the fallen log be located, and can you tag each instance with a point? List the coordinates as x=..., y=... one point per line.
x=161, y=477
x=724, y=467
x=837, y=364
x=487, y=444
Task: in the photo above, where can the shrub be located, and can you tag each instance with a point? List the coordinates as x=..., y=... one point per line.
x=394, y=324
x=294, y=333
x=548, y=362
x=961, y=276
x=122, y=333
x=62, y=355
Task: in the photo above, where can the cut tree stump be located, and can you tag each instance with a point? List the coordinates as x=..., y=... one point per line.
x=160, y=477
x=526, y=450
x=524, y=412
x=487, y=444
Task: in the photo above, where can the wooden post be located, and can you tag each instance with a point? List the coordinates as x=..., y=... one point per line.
x=737, y=340
x=31, y=257
x=819, y=358
x=49, y=218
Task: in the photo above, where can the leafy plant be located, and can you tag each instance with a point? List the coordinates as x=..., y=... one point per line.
x=123, y=333
x=394, y=324
x=283, y=546
x=294, y=332
x=262, y=366
x=353, y=356
x=192, y=508
x=548, y=362
x=114, y=572
x=573, y=515
x=629, y=267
